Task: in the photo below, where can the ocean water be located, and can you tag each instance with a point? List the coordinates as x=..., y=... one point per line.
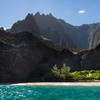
x=49, y=92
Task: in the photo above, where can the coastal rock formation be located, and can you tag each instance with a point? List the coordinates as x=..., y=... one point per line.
x=24, y=56
x=49, y=27
x=29, y=49
x=27, y=25
x=59, y=32
x=90, y=59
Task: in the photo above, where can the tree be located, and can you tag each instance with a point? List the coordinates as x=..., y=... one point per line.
x=62, y=73
x=55, y=71
x=65, y=69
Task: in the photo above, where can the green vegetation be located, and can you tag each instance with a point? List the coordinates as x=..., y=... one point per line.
x=64, y=74
x=86, y=75
x=58, y=74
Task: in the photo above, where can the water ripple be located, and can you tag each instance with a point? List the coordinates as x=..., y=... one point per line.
x=49, y=93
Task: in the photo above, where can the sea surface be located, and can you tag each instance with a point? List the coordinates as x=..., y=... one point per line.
x=8, y=92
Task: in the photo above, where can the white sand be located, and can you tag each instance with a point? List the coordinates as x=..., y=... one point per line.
x=62, y=83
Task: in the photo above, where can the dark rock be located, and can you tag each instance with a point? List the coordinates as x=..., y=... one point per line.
x=24, y=56
x=49, y=27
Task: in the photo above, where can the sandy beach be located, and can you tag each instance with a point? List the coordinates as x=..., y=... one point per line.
x=62, y=83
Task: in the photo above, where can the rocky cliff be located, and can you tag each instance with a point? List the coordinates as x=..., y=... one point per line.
x=90, y=59
x=59, y=32
x=24, y=57
x=49, y=27
x=27, y=25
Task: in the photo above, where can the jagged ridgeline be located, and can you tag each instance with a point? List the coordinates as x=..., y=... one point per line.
x=49, y=27
x=27, y=50
x=59, y=32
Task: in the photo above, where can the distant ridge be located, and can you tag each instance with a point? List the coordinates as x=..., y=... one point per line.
x=47, y=26
x=59, y=32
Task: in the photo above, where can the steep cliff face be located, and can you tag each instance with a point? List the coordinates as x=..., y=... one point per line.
x=17, y=56
x=59, y=32
x=24, y=56
x=78, y=34
x=53, y=29
x=84, y=36
x=49, y=27
x=90, y=34
x=90, y=59
x=27, y=25
x=94, y=36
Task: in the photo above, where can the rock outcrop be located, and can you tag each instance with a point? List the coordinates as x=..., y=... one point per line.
x=24, y=56
x=27, y=25
x=50, y=28
x=59, y=32
x=90, y=59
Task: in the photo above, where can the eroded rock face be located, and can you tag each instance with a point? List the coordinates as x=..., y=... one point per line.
x=18, y=55
x=90, y=59
x=24, y=56
x=59, y=32
x=27, y=25
x=49, y=27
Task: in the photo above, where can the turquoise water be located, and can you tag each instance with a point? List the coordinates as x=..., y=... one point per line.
x=49, y=92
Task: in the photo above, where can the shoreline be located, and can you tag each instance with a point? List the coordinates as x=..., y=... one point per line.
x=59, y=84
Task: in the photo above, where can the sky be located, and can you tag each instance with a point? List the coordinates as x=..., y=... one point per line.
x=75, y=12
